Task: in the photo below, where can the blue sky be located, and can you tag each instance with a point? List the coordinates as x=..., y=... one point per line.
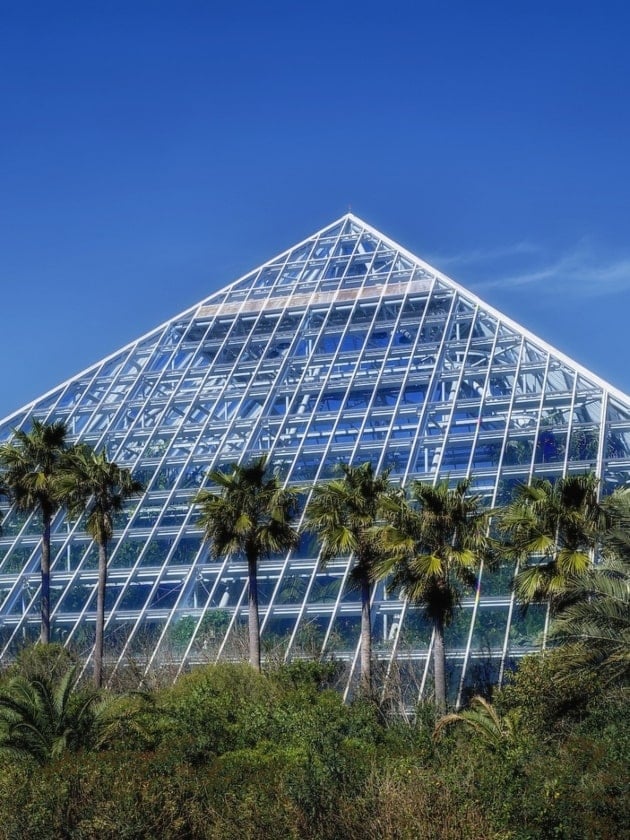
x=151, y=153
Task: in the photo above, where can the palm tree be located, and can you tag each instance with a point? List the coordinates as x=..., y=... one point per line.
x=556, y=529
x=43, y=718
x=5, y=494
x=344, y=513
x=482, y=719
x=592, y=624
x=616, y=539
x=92, y=484
x=32, y=461
x=251, y=514
x=435, y=542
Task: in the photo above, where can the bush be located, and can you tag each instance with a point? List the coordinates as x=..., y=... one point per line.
x=97, y=797
x=539, y=704
x=42, y=662
x=216, y=709
x=279, y=755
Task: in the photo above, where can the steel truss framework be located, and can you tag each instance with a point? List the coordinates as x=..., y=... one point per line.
x=345, y=348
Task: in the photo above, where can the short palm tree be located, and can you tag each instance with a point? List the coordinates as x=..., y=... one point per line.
x=91, y=484
x=555, y=530
x=481, y=718
x=31, y=462
x=43, y=718
x=345, y=514
x=250, y=514
x=435, y=542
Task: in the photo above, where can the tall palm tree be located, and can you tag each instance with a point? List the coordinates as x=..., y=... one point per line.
x=345, y=513
x=435, y=542
x=555, y=529
x=251, y=514
x=616, y=538
x=4, y=492
x=92, y=484
x=31, y=461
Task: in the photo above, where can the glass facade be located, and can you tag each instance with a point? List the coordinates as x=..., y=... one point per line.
x=345, y=348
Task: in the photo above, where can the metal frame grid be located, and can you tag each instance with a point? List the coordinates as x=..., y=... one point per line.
x=345, y=348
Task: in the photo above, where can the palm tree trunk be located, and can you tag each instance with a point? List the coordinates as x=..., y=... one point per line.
x=100, y=613
x=439, y=664
x=45, y=570
x=366, y=637
x=253, y=618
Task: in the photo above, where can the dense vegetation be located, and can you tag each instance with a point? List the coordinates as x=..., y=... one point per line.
x=229, y=752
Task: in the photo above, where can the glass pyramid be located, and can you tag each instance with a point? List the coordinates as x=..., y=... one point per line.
x=345, y=348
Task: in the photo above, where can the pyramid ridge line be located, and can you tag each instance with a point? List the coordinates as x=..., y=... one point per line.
x=492, y=310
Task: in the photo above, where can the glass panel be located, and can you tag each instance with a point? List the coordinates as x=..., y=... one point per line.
x=344, y=636
x=489, y=630
x=526, y=628
x=309, y=638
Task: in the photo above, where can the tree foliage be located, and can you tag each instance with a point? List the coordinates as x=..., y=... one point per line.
x=483, y=719
x=89, y=484
x=434, y=544
x=592, y=624
x=554, y=530
x=31, y=461
x=250, y=514
x=44, y=717
x=345, y=515
x=230, y=752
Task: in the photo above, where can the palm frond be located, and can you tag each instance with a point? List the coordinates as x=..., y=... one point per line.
x=434, y=539
x=345, y=514
x=483, y=719
x=592, y=623
x=249, y=508
x=562, y=523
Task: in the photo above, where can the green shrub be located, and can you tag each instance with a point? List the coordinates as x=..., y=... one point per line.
x=216, y=709
x=122, y=796
x=42, y=662
x=541, y=705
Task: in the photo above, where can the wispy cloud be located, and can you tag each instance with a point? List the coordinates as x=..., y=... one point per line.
x=581, y=271
x=578, y=272
x=478, y=256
